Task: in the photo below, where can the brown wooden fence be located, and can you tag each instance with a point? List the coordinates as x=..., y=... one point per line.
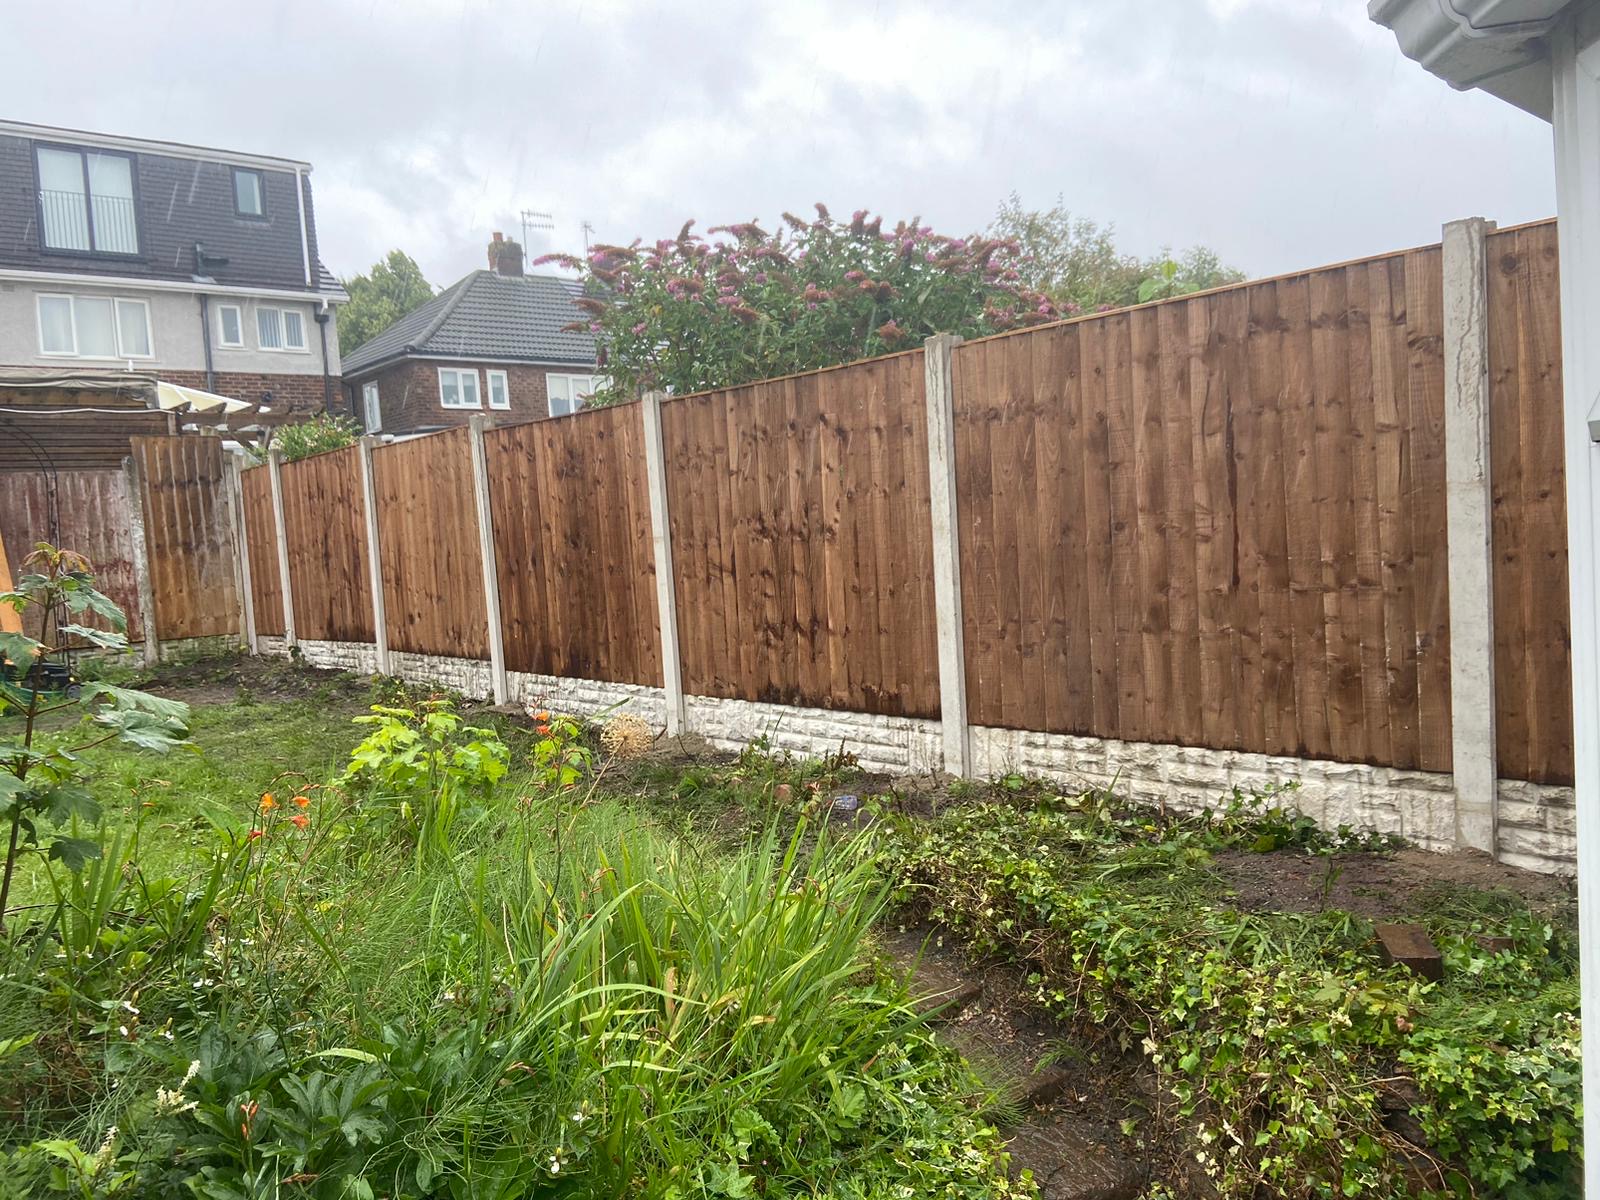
x=801, y=542
x=86, y=511
x=1214, y=521
x=324, y=515
x=432, y=571
x=572, y=538
x=189, y=536
x=261, y=543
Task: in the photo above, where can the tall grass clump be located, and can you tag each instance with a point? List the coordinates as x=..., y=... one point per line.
x=429, y=978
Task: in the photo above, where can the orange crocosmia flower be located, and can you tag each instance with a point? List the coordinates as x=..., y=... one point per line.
x=300, y=820
x=255, y=833
x=302, y=801
x=543, y=728
x=267, y=801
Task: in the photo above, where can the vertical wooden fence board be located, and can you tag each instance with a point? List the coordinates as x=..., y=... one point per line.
x=324, y=514
x=1425, y=339
x=187, y=526
x=266, y=595
x=432, y=579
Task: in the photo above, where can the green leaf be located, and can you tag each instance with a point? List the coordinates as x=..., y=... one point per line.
x=145, y=730
x=129, y=698
x=65, y=801
x=85, y=597
x=21, y=649
x=73, y=853
x=99, y=637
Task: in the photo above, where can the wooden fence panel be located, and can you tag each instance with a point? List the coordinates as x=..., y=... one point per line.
x=573, y=544
x=89, y=515
x=1188, y=523
x=189, y=533
x=261, y=535
x=428, y=537
x=324, y=516
x=1533, y=669
x=801, y=539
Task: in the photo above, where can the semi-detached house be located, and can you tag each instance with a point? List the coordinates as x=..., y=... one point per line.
x=498, y=342
x=196, y=265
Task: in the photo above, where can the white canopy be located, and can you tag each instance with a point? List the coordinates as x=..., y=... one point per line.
x=174, y=396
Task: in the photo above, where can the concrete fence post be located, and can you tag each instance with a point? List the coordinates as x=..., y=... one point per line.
x=233, y=498
x=285, y=587
x=661, y=538
x=940, y=387
x=1469, y=514
x=476, y=424
x=139, y=545
x=369, y=503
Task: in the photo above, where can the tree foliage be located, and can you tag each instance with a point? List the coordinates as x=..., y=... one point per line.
x=390, y=290
x=1076, y=262
x=323, y=432
x=689, y=313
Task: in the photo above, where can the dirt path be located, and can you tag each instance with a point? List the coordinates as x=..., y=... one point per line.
x=1063, y=1108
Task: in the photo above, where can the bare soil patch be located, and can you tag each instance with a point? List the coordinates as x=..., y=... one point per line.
x=1372, y=885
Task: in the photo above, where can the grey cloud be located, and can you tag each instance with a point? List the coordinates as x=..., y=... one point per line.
x=1285, y=133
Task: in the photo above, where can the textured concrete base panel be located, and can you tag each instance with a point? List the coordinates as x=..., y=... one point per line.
x=176, y=650
x=1536, y=822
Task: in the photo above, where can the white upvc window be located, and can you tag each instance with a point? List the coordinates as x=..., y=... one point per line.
x=230, y=326
x=372, y=409
x=280, y=329
x=458, y=388
x=567, y=393
x=499, y=389
x=112, y=327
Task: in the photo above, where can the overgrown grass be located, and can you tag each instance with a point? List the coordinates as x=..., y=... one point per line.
x=550, y=993
x=1296, y=1064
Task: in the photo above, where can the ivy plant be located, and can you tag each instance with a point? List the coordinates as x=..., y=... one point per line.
x=55, y=595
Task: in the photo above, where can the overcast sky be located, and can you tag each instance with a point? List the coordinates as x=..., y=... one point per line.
x=1283, y=133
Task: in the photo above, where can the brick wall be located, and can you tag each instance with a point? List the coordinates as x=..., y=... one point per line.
x=408, y=392
x=301, y=392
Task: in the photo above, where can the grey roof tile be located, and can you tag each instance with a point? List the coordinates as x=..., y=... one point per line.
x=516, y=318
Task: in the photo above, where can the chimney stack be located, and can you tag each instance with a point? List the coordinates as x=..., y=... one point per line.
x=505, y=256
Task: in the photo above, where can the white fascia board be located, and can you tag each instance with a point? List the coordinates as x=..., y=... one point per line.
x=81, y=137
x=1495, y=45
x=138, y=283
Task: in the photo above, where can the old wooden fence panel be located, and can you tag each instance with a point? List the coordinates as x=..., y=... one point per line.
x=89, y=514
x=189, y=535
x=801, y=540
x=428, y=537
x=572, y=540
x=261, y=536
x=1216, y=521
x=324, y=518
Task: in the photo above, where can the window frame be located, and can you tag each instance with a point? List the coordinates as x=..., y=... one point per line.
x=261, y=192
x=372, y=406
x=283, y=346
x=460, y=373
x=117, y=303
x=569, y=376
x=505, y=389
x=83, y=153
x=222, y=328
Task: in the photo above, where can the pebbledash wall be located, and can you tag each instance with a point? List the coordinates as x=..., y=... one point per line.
x=1536, y=827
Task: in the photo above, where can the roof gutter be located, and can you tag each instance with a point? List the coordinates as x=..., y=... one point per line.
x=1496, y=45
x=190, y=288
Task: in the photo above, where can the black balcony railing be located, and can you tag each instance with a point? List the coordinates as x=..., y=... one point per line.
x=67, y=226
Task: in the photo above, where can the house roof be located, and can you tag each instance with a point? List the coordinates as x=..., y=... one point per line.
x=510, y=318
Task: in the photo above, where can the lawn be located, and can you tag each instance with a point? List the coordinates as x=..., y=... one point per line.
x=509, y=956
